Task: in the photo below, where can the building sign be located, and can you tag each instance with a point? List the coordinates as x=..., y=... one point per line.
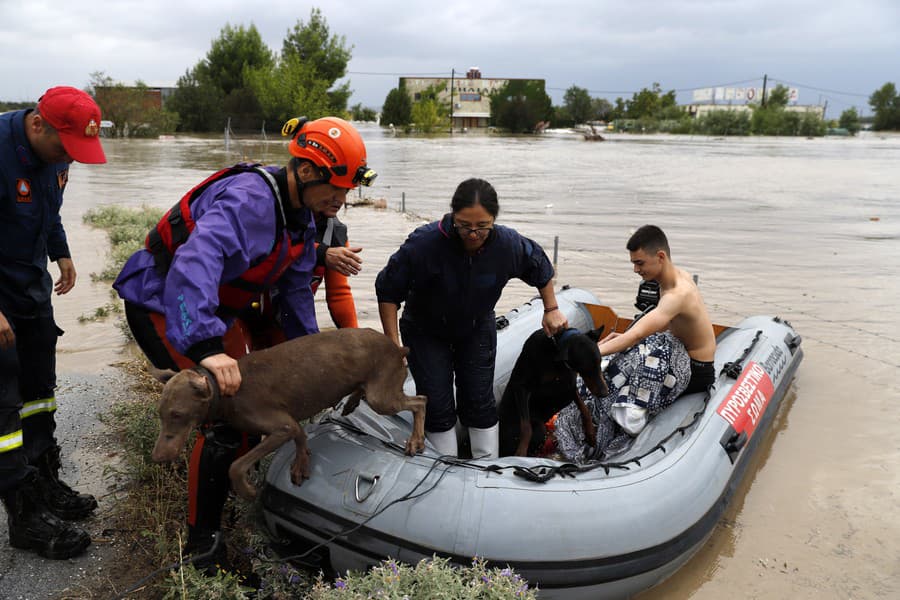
x=732, y=94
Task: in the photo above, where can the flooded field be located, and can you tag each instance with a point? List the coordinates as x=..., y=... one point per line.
x=808, y=230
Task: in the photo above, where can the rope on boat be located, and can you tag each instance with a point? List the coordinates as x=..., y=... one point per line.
x=410, y=495
x=545, y=472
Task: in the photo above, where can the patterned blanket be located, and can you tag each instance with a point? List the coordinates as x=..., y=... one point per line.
x=642, y=381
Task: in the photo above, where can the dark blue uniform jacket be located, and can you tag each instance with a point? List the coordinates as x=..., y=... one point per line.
x=446, y=291
x=31, y=194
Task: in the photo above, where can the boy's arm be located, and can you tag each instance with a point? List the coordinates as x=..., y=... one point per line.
x=654, y=321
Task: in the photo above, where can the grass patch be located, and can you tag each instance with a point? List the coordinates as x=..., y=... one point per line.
x=149, y=503
x=127, y=228
x=433, y=578
x=149, y=510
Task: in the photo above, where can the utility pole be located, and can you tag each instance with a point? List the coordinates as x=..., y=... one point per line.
x=452, y=75
x=765, y=77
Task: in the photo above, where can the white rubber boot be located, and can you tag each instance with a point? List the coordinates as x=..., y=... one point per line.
x=485, y=442
x=443, y=441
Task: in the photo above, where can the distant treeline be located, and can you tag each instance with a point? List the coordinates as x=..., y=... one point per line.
x=8, y=106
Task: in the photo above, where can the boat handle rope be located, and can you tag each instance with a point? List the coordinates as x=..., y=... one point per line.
x=410, y=495
x=733, y=369
x=546, y=472
x=537, y=474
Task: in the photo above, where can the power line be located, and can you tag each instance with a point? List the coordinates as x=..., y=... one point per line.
x=818, y=89
x=436, y=74
x=687, y=89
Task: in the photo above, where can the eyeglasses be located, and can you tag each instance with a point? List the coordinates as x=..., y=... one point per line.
x=477, y=231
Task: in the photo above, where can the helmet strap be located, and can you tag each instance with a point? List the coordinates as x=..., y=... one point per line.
x=301, y=186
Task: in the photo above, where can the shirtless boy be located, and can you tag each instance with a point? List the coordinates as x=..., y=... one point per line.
x=681, y=309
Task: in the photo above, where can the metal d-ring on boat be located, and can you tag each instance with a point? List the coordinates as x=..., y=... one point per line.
x=608, y=529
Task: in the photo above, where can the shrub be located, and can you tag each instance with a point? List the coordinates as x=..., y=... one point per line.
x=433, y=578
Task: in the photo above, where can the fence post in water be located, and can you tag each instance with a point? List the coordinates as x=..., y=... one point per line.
x=403, y=202
x=228, y=135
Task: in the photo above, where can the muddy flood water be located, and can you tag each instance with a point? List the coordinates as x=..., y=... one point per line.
x=808, y=230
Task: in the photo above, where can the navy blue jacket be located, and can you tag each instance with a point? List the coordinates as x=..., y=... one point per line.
x=31, y=194
x=447, y=291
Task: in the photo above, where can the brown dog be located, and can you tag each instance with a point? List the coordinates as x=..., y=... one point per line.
x=289, y=382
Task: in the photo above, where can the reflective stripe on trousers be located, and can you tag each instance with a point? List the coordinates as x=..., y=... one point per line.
x=43, y=405
x=11, y=441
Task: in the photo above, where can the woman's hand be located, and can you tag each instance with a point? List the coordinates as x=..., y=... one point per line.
x=554, y=322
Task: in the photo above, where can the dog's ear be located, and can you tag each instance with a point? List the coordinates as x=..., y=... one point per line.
x=161, y=375
x=595, y=334
x=199, y=383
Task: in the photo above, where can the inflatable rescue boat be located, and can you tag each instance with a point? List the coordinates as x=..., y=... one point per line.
x=603, y=529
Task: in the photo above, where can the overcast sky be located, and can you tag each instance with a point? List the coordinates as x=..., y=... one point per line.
x=834, y=51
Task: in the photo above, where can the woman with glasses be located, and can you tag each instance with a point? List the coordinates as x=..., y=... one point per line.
x=450, y=274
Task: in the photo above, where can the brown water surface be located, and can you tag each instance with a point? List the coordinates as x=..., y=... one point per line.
x=808, y=230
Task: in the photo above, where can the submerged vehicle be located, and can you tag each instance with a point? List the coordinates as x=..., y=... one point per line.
x=602, y=529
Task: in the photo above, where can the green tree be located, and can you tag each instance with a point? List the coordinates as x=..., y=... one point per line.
x=289, y=90
x=428, y=117
x=850, y=121
x=778, y=97
x=235, y=49
x=397, y=109
x=601, y=109
x=885, y=104
x=133, y=112
x=619, y=110
x=773, y=118
x=429, y=112
x=649, y=103
x=216, y=87
x=328, y=55
x=724, y=122
x=198, y=104
x=520, y=104
x=578, y=104
x=358, y=112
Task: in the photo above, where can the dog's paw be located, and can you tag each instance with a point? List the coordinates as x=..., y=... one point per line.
x=300, y=469
x=414, y=446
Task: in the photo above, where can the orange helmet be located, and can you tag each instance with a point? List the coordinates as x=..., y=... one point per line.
x=332, y=144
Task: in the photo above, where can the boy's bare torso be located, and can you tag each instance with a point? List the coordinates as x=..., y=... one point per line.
x=692, y=324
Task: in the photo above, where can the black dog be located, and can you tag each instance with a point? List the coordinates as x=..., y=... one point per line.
x=543, y=382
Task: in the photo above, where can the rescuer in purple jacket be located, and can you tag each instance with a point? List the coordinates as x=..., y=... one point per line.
x=208, y=266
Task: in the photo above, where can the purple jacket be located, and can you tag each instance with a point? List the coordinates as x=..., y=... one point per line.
x=235, y=228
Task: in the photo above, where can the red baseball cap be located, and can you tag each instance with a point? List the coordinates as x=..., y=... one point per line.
x=76, y=117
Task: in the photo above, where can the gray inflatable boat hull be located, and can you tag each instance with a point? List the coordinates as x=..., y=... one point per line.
x=610, y=531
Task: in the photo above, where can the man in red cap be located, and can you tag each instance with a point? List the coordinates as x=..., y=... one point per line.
x=36, y=149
